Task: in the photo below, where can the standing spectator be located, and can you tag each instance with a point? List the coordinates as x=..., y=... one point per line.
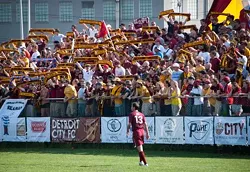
x=159, y=47
x=215, y=62
x=159, y=90
x=188, y=102
x=185, y=75
x=89, y=99
x=158, y=52
x=44, y=93
x=92, y=31
x=81, y=100
x=36, y=54
x=57, y=37
x=104, y=72
x=217, y=89
x=116, y=96
x=207, y=110
x=56, y=89
x=245, y=101
x=196, y=92
x=87, y=72
x=23, y=60
x=125, y=93
x=227, y=100
x=176, y=72
x=143, y=94
x=75, y=31
x=108, y=104
x=204, y=53
x=70, y=95
x=166, y=94
x=119, y=70
x=236, y=106
x=167, y=51
x=175, y=100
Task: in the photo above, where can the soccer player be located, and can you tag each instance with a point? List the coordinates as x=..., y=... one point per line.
x=138, y=123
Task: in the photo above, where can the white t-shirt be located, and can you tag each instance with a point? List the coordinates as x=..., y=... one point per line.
x=197, y=100
x=120, y=71
x=58, y=37
x=92, y=32
x=244, y=61
x=35, y=55
x=206, y=56
x=87, y=76
x=168, y=52
x=227, y=44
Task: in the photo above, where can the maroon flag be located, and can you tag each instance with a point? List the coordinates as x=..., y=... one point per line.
x=103, y=30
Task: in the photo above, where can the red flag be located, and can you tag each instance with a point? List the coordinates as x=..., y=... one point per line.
x=103, y=30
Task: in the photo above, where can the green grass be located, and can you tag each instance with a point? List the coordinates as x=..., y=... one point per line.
x=110, y=160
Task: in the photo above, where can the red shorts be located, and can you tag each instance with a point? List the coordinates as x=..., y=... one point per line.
x=138, y=137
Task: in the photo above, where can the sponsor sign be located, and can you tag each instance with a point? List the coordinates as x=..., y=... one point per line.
x=13, y=107
x=113, y=130
x=230, y=130
x=38, y=129
x=169, y=130
x=199, y=130
x=13, y=129
x=89, y=130
x=151, y=129
x=64, y=129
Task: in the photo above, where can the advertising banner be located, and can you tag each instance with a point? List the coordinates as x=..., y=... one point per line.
x=199, y=130
x=169, y=130
x=230, y=130
x=13, y=129
x=151, y=128
x=64, y=129
x=89, y=130
x=113, y=130
x=140, y=22
x=12, y=108
x=38, y=129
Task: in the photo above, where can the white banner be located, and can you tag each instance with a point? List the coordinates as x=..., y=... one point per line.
x=151, y=128
x=38, y=129
x=13, y=129
x=113, y=130
x=12, y=108
x=199, y=130
x=169, y=130
x=248, y=127
x=230, y=130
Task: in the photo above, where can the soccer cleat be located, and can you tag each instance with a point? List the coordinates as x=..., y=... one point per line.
x=146, y=165
x=141, y=163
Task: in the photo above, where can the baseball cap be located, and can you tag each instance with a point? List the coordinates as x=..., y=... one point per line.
x=176, y=65
x=181, y=35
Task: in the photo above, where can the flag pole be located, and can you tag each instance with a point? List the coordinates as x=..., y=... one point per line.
x=21, y=19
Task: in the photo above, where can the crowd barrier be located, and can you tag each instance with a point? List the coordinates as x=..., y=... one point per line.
x=162, y=130
x=55, y=107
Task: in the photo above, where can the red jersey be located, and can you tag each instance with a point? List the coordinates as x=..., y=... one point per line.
x=137, y=119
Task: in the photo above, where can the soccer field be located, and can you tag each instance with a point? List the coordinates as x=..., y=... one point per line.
x=87, y=160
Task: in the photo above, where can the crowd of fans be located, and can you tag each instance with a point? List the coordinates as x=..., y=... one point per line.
x=204, y=79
